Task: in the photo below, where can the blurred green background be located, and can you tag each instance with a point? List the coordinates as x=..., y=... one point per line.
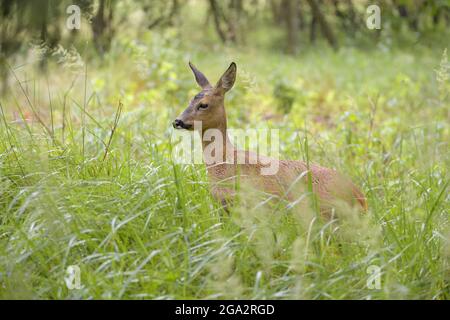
x=87, y=178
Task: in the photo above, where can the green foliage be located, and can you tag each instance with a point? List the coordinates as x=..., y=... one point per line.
x=75, y=191
x=284, y=95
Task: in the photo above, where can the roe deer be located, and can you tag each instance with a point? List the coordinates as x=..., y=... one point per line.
x=207, y=108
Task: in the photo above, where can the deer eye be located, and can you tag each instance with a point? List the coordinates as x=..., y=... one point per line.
x=202, y=106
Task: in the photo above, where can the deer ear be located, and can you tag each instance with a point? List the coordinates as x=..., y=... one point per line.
x=199, y=77
x=226, y=82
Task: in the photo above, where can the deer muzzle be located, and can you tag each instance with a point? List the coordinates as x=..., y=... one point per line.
x=179, y=124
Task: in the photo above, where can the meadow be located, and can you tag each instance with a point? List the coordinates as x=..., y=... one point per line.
x=87, y=178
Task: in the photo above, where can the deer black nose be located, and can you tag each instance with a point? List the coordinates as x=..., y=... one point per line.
x=178, y=124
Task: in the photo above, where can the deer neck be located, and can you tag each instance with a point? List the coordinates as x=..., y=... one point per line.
x=222, y=149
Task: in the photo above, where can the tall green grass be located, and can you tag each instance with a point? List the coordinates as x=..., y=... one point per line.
x=87, y=178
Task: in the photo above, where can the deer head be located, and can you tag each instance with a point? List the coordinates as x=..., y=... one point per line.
x=207, y=106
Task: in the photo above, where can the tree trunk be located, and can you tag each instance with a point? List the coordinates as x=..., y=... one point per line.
x=216, y=18
x=301, y=17
x=102, y=27
x=313, y=30
x=276, y=9
x=290, y=13
x=326, y=30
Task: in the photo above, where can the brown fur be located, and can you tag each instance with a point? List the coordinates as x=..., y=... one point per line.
x=291, y=179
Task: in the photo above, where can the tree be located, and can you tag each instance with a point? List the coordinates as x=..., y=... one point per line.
x=226, y=19
x=291, y=19
x=102, y=26
x=320, y=18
